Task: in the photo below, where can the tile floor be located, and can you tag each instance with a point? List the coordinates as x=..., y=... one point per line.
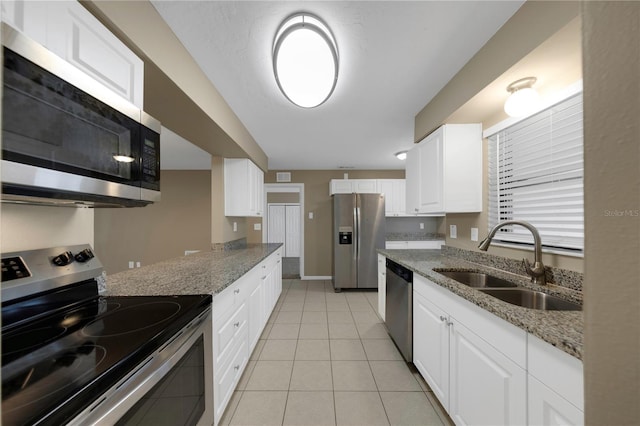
x=325, y=358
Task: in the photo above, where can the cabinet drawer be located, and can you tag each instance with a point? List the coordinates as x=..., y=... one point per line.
x=234, y=295
x=227, y=376
x=226, y=330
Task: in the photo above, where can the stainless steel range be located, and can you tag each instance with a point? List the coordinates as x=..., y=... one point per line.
x=71, y=356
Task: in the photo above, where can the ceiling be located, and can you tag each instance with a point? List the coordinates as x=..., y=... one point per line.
x=395, y=56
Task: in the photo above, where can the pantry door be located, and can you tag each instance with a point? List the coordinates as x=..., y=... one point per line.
x=284, y=227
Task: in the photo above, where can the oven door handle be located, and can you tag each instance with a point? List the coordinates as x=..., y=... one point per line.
x=120, y=398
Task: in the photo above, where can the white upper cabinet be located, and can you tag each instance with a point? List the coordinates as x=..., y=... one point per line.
x=394, y=196
x=243, y=188
x=349, y=186
x=73, y=33
x=444, y=171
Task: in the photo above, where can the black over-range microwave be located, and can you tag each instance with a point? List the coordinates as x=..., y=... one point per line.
x=67, y=139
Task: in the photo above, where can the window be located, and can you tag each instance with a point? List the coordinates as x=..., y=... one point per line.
x=536, y=174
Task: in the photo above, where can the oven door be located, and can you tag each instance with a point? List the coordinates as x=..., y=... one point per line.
x=172, y=386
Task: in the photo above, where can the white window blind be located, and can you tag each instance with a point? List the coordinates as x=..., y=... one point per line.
x=536, y=175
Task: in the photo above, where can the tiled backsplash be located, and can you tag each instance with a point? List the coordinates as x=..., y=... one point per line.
x=560, y=277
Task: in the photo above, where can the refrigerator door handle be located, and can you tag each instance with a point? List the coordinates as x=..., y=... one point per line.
x=356, y=236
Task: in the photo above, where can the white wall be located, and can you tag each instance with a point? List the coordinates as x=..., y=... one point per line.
x=25, y=227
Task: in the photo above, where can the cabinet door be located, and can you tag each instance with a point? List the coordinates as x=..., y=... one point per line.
x=386, y=187
x=256, y=307
x=364, y=186
x=412, y=181
x=487, y=388
x=74, y=34
x=394, y=196
x=243, y=188
x=431, y=346
x=431, y=173
x=341, y=186
x=547, y=408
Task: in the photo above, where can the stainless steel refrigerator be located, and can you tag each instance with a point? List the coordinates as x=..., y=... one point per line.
x=358, y=231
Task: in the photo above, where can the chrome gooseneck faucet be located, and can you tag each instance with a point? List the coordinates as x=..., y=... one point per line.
x=536, y=272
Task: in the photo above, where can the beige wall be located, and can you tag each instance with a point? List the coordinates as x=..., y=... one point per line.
x=180, y=221
x=32, y=227
x=318, y=231
x=531, y=26
x=611, y=42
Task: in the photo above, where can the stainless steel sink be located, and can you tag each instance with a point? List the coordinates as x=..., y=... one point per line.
x=531, y=299
x=476, y=279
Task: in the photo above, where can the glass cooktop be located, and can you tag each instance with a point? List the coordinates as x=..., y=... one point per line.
x=55, y=366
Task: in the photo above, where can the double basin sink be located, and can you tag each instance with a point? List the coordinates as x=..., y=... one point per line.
x=510, y=292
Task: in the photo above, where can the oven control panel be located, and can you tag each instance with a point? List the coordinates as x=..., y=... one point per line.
x=14, y=268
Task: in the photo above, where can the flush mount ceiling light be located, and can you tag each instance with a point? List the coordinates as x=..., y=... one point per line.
x=305, y=60
x=402, y=155
x=523, y=99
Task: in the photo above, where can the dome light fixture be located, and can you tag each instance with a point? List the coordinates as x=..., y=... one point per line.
x=402, y=155
x=305, y=60
x=523, y=99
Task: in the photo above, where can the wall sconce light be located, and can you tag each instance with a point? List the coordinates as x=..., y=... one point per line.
x=402, y=155
x=523, y=99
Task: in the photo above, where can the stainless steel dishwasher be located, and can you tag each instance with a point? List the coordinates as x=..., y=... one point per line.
x=399, y=308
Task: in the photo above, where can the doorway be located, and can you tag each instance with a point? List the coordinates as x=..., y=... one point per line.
x=283, y=223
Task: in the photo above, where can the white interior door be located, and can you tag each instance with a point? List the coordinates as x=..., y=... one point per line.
x=276, y=230
x=292, y=231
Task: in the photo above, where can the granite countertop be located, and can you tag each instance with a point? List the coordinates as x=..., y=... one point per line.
x=200, y=273
x=562, y=329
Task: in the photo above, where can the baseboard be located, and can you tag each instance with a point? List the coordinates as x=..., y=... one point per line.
x=316, y=277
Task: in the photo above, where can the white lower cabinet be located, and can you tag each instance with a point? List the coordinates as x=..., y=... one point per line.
x=240, y=313
x=556, y=385
x=486, y=371
x=548, y=408
x=486, y=387
x=473, y=379
x=431, y=346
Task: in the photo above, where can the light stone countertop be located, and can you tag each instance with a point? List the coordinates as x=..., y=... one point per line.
x=562, y=329
x=200, y=273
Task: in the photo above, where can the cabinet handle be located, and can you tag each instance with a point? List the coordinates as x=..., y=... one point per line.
x=236, y=324
x=416, y=209
x=264, y=277
x=236, y=291
x=236, y=367
x=443, y=318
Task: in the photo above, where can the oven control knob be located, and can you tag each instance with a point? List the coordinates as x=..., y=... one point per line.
x=84, y=255
x=63, y=259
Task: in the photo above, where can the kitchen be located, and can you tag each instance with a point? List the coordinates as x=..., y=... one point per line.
x=610, y=389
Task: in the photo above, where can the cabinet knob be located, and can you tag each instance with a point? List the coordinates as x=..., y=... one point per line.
x=236, y=324
x=236, y=367
x=443, y=318
x=236, y=291
x=264, y=277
